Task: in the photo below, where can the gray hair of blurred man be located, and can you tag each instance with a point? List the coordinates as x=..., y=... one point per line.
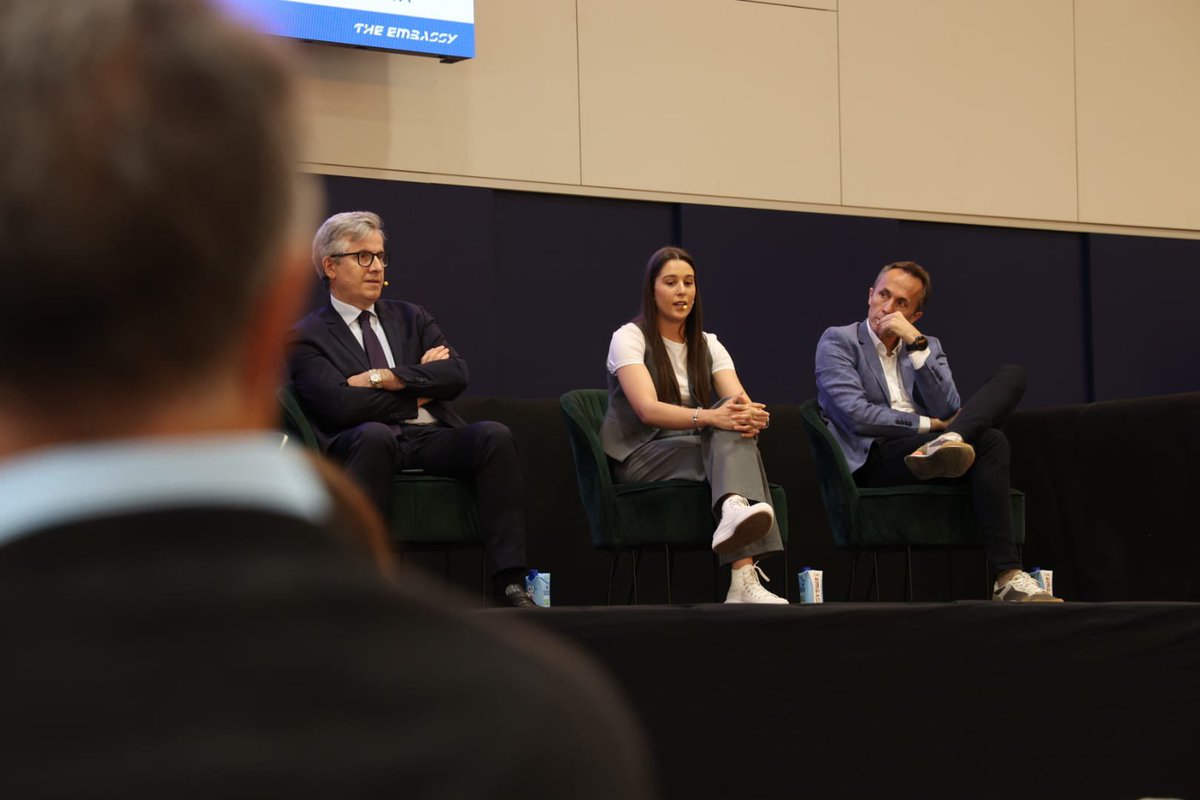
x=147, y=183
x=348, y=226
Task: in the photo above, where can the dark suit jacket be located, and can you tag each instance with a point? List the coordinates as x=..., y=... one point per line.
x=323, y=353
x=853, y=392
x=218, y=652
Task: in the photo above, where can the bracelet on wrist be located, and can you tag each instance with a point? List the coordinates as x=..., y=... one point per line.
x=696, y=418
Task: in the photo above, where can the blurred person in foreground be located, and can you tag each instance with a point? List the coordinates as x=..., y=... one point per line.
x=180, y=616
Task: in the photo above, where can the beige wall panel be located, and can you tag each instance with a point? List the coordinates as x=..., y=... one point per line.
x=1139, y=112
x=959, y=106
x=829, y=5
x=709, y=97
x=511, y=112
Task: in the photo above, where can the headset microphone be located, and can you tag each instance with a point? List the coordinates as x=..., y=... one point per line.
x=385, y=283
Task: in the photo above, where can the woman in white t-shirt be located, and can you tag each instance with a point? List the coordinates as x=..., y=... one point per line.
x=677, y=410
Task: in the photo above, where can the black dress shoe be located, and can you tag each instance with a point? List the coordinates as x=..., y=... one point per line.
x=516, y=596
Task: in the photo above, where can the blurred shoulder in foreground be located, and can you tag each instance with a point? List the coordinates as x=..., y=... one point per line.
x=181, y=613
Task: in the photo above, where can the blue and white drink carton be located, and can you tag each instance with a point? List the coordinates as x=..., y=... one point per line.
x=812, y=585
x=1044, y=578
x=538, y=586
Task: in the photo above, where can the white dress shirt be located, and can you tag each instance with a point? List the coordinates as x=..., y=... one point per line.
x=64, y=484
x=891, y=372
x=350, y=315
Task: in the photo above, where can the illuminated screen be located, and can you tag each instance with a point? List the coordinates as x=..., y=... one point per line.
x=441, y=28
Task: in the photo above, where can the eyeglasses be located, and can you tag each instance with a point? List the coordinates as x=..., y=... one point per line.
x=365, y=257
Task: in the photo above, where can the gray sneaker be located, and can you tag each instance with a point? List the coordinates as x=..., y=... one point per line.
x=947, y=456
x=1022, y=588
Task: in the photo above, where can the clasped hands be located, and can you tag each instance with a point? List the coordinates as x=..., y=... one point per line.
x=741, y=415
x=391, y=381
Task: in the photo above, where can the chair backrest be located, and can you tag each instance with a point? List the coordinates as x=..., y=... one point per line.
x=838, y=490
x=583, y=411
x=294, y=421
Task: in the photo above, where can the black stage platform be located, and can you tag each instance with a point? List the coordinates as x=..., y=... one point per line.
x=948, y=700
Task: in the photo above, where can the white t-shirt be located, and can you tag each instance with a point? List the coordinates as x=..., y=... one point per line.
x=628, y=346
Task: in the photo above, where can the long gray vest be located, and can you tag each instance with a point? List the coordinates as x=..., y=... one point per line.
x=622, y=432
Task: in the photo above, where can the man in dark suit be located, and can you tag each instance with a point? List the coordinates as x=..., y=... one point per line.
x=888, y=397
x=377, y=377
x=180, y=613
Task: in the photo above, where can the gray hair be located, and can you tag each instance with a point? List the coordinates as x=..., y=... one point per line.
x=347, y=226
x=147, y=176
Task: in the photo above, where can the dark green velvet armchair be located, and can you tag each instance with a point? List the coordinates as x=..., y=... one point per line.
x=633, y=517
x=920, y=516
x=424, y=511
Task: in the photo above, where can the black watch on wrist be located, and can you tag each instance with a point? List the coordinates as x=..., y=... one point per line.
x=919, y=343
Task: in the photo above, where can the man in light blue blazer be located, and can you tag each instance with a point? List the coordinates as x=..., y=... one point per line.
x=888, y=397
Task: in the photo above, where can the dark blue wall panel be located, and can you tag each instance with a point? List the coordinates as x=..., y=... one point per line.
x=1005, y=295
x=772, y=281
x=1144, y=298
x=440, y=241
x=569, y=272
x=530, y=287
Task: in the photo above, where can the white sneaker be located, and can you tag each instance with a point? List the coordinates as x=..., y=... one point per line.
x=741, y=523
x=1022, y=588
x=947, y=456
x=745, y=588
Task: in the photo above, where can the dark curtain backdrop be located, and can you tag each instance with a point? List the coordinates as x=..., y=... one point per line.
x=530, y=286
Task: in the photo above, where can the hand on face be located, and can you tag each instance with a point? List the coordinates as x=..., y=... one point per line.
x=896, y=324
x=893, y=305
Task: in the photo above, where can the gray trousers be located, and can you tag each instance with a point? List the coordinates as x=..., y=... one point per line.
x=729, y=463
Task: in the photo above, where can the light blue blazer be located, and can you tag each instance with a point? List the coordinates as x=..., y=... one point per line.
x=854, y=397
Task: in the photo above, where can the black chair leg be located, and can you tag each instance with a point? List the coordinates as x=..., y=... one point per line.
x=637, y=561
x=871, y=582
x=612, y=575
x=787, y=576
x=875, y=576
x=908, y=576
x=670, y=556
x=950, y=575
x=853, y=570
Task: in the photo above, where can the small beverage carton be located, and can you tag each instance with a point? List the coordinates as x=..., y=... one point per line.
x=1044, y=578
x=538, y=586
x=812, y=585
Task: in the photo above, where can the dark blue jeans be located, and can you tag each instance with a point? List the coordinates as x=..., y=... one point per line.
x=483, y=452
x=978, y=423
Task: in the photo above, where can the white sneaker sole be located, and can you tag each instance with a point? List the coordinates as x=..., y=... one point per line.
x=951, y=460
x=750, y=529
x=778, y=601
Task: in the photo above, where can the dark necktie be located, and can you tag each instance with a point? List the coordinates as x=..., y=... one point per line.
x=375, y=355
